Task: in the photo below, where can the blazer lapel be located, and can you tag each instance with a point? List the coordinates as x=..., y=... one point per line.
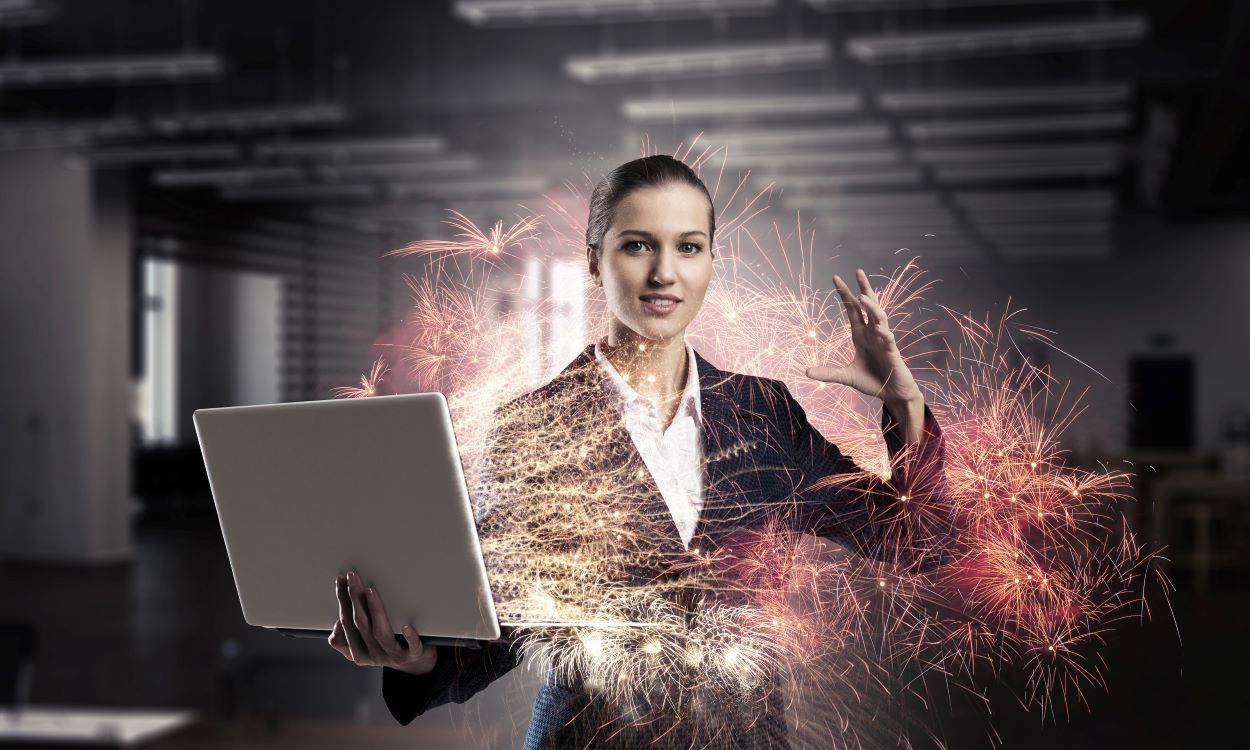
x=584, y=374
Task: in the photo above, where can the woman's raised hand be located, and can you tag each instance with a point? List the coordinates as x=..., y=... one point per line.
x=878, y=369
x=363, y=633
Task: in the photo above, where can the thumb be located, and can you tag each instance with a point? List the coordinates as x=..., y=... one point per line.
x=841, y=375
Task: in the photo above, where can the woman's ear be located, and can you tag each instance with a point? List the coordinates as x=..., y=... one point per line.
x=592, y=265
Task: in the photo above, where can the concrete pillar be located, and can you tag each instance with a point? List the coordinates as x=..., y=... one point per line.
x=65, y=389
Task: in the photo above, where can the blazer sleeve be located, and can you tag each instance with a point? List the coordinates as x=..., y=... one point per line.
x=906, y=520
x=460, y=672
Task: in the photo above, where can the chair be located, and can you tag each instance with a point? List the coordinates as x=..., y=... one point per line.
x=17, y=661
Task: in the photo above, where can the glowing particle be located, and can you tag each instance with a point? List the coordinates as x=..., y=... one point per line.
x=651, y=646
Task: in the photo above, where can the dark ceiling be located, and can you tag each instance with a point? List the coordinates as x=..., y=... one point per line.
x=501, y=95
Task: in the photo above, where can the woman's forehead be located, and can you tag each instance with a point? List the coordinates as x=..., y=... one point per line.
x=674, y=209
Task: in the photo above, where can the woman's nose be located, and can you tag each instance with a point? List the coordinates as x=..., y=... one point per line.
x=662, y=268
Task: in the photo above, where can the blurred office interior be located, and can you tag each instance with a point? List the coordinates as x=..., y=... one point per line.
x=197, y=197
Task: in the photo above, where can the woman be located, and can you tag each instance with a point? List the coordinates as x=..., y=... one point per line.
x=714, y=446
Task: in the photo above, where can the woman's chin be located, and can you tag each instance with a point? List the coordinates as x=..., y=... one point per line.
x=659, y=330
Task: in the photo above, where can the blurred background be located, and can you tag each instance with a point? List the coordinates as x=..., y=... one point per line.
x=196, y=196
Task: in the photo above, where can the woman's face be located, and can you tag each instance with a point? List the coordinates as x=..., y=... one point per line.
x=657, y=249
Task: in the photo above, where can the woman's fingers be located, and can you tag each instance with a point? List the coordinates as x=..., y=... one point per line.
x=382, y=632
x=355, y=644
x=338, y=640
x=854, y=312
x=876, y=315
x=415, y=647
x=361, y=618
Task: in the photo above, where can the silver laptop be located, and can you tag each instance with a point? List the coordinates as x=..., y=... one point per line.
x=305, y=491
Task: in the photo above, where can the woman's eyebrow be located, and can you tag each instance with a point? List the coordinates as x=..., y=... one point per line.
x=650, y=236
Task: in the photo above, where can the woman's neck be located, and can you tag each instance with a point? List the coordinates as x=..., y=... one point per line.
x=656, y=369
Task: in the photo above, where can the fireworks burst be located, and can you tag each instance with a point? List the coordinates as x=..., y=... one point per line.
x=1042, y=567
x=496, y=243
x=368, y=382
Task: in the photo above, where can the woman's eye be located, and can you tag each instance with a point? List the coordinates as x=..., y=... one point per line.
x=635, y=245
x=689, y=248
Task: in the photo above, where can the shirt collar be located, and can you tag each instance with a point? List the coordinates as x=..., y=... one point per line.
x=625, y=394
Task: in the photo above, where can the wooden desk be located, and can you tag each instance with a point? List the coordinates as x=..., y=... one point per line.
x=1207, y=493
x=57, y=728
x=75, y=726
x=304, y=734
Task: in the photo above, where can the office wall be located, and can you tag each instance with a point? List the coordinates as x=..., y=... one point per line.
x=1188, y=279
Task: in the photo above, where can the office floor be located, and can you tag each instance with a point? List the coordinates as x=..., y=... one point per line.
x=154, y=633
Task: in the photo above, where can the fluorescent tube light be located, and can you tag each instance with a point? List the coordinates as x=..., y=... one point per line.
x=450, y=189
x=1083, y=170
x=871, y=202
x=786, y=106
x=301, y=194
x=900, y=177
x=1018, y=153
x=1012, y=98
x=15, y=13
x=551, y=12
x=789, y=138
x=446, y=166
x=768, y=162
x=871, y=5
x=119, y=156
x=248, y=120
x=1035, y=200
x=706, y=61
x=351, y=149
x=1017, y=126
x=16, y=135
x=111, y=71
x=229, y=177
x=329, y=173
x=1013, y=39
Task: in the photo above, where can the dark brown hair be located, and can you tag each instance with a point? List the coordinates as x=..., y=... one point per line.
x=649, y=171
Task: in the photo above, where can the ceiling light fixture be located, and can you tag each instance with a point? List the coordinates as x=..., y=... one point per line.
x=110, y=71
x=696, y=62
x=903, y=102
x=1017, y=126
x=249, y=120
x=504, y=13
x=1013, y=39
x=351, y=149
x=787, y=106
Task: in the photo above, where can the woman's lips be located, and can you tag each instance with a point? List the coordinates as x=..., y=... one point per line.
x=659, y=307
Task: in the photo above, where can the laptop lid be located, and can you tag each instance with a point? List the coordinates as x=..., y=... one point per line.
x=307, y=490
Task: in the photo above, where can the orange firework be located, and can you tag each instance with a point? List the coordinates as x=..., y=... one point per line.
x=472, y=241
x=368, y=383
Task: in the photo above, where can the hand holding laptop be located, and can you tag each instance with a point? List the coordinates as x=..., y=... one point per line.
x=363, y=633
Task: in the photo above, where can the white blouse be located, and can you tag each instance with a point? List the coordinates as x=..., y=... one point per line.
x=673, y=456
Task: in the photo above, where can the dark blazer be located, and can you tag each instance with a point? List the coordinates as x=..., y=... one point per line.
x=758, y=444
